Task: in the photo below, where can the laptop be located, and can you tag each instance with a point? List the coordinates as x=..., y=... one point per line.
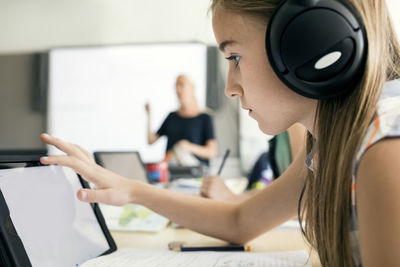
x=125, y=163
x=42, y=222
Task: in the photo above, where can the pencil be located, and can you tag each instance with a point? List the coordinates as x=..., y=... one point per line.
x=219, y=248
x=223, y=161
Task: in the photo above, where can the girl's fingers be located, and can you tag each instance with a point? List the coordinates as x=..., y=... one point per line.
x=82, y=162
x=204, y=190
x=87, y=155
x=79, y=166
x=58, y=143
x=106, y=196
x=68, y=148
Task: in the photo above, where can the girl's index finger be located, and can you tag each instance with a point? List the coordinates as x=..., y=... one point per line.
x=87, y=171
x=58, y=143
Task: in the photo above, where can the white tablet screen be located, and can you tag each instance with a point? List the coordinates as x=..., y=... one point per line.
x=55, y=228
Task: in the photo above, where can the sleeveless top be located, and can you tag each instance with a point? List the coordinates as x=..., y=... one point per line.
x=385, y=125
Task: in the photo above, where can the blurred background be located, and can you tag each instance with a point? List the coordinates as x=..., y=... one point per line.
x=53, y=79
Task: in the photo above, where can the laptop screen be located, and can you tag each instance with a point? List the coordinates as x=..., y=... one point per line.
x=126, y=164
x=56, y=229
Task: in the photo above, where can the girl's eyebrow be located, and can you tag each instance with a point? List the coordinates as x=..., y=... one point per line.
x=226, y=43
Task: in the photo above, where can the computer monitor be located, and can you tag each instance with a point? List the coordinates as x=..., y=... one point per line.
x=125, y=163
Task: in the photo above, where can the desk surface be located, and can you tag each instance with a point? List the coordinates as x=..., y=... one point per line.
x=280, y=239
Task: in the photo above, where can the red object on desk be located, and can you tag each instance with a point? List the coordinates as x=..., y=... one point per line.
x=158, y=172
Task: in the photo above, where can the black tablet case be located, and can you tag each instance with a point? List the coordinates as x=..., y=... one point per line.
x=12, y=251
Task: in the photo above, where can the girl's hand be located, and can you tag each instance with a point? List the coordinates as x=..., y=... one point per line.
x=215, y=188
x=110, y=188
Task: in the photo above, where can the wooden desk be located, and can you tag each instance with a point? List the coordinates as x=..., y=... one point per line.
x=280, y=239
x=275, y=240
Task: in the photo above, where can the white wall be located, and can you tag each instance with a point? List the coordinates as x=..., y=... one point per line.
x=35, y=25
x=27, y=25
x=394, y=6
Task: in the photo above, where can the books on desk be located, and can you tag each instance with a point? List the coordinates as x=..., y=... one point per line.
x=134, y=257
x=189, y=186
x=291, y=224
x=192, y=186
x=132, y=217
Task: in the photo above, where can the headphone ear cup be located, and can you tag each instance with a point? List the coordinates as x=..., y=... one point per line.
x=328, y=64
x=318, y=48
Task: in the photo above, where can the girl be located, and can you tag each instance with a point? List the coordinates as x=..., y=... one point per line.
x=350, y=198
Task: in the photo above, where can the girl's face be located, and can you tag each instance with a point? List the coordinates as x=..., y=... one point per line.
x=275, y=107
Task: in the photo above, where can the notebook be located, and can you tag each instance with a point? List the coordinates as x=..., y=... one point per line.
x=42, y=222
x=135, y=257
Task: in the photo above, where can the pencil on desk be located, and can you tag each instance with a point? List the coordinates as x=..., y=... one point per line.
x=222, y=248
x=180, y=246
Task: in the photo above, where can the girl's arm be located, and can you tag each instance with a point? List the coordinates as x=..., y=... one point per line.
x=233, y=222
x=378, y=204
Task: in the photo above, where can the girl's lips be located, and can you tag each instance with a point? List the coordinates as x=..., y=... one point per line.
x=249, y=109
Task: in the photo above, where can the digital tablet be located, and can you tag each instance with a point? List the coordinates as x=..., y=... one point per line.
x=42, y=222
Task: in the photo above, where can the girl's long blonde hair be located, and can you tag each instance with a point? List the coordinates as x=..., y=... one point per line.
x=341, y=124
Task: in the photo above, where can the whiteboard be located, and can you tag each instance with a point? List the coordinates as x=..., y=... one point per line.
x=97, y=94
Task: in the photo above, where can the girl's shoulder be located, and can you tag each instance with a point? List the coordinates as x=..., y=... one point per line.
x=387, y=121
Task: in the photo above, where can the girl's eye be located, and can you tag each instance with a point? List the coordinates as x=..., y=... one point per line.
x=235, y=59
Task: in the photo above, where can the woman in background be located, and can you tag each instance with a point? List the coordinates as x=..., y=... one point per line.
x=188, y=128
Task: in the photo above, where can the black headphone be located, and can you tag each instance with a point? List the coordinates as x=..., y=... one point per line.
x=318, y=48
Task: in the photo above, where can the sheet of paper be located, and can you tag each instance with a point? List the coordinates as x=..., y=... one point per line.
x=132, y=217
x=236, y=185
x=190, y=186
x=133, y=257
x=290, y=224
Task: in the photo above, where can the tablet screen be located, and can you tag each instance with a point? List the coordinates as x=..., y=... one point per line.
x=55, y=228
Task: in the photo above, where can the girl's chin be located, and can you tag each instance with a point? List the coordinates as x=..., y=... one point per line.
x=267, y=129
